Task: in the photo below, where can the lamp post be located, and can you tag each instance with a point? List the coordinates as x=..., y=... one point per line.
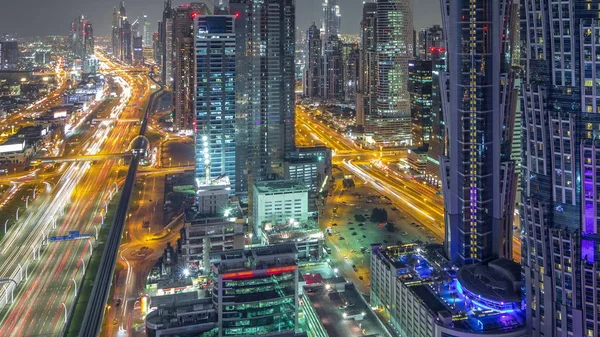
x=5, y=225
x=64, y=306
x=17, y=214
x=83, y=265
x=75, y=283
x=12, y=291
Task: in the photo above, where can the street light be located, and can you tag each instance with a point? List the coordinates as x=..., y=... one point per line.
x=75, y=282
x=17, y=215
x=83, y=264
x=64, y=306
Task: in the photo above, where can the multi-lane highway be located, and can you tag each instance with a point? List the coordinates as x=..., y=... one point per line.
x=76, y=201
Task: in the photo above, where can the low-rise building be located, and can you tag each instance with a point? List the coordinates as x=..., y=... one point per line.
x=306, y=236
x=422, y=295
x=277, y=202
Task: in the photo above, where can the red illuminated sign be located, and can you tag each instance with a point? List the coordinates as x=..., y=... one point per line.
x=249, y=274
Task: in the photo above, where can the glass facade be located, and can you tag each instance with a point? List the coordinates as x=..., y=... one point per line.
x=215, y=126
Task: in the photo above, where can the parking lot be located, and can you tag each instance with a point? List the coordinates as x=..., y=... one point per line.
x=346, y=236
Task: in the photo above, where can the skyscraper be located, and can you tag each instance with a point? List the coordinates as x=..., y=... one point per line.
x=146, y=32
x=429, y=40
x=183, y=69
x=116, y=34
x=126, y=42
x=312, y=74
x=82, y=44
x=9, y=55
x=137, y=51
x=391, y=124
x=560, y=176
x=332, y=19
x=350, y=70
x=333, y=79
x=439, y=94
x=166, y=44
x=215, y=101
x=365, y=98
x=478, y=177
x=420, y=88
x=266, y=41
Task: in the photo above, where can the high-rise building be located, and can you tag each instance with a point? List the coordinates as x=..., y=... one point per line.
x=439, y=94
x=312, y=73
x=146, y=32
x=390, y=125
x=138, y=51
x=365, y=98
x=333, y=69
x=429, y=41
x=560, y=167
x=9, y=55
x=116, y=34
x=420, y=88
x=215, y=101
x=165, y=37
x=82, y=44
x=265, y=46
x=350, y=70
x=126, y=42
x=332, y=19
x=183, y=69
x=478, y=177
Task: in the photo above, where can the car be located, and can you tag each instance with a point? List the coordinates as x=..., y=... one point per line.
x=334, y=225
x=329, y=233
x=354, y=233
x=342, y=307
x=343, y=203
x=353, y=251
x=354, y=267
x=364, y=236
x=351, y=228
x=361, y=224
x=361, y=278
x=115, y=322
x=404, y=233
x=342, y=238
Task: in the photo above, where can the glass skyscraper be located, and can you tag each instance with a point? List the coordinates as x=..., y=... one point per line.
x=478, y=177
x=215, y=97
x=561, y=166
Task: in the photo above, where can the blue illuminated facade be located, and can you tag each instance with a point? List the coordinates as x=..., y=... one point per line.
x=478, y=178
x=214, y=127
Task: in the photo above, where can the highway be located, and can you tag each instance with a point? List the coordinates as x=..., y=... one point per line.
x=76, y=202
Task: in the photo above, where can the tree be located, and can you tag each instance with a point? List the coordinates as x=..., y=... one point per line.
x=359, y=217
x=379, y=215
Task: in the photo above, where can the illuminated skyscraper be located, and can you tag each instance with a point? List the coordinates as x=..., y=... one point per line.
x=391, y=124
x=420, y=87
x=165, y=37
x=560, y=211
x=478, y=177
x=332, y=19
x=333, y=79
x=146, y=32
x=215, y=101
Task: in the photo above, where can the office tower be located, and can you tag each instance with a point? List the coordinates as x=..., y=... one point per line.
x=146, y=32
x=166, y=44
x=183, y=70
x=256, y=291
x=350, y=70
x=365, y=98
x=138, y=51
x=312, y=74
x=429, y=40
x=116, y=34
x=135, y=29
x=439, y=94
x=265, y=47
x=90, y=63
x=215, y=101
x=77, y=37
x=332, y=19
x=478, y=177
x=333, y=79
x=156, y=48
x=420, y=89
x=560, y=201
x=126, y=42
x=9, y=55
x=391, y=123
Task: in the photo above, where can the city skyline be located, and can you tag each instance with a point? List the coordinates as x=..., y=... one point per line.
x=426, y=14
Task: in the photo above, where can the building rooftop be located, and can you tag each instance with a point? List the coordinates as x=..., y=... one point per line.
x=474, y=304
x=280, y=186
x=254, y=259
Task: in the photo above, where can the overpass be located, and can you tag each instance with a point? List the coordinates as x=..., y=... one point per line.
x=118, y=120
x=92, y=157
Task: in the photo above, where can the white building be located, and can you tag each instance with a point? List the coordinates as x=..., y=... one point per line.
x=278, y=201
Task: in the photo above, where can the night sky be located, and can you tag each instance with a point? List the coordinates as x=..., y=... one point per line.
x=53, y=17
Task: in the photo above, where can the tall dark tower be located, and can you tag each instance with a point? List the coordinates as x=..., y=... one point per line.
x=478, y=177
x=560, y=211
x=115, y=37
x=313, y=72
x=265, y=33
x=166, y=44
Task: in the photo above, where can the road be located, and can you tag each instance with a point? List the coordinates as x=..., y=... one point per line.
x=77, y=202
